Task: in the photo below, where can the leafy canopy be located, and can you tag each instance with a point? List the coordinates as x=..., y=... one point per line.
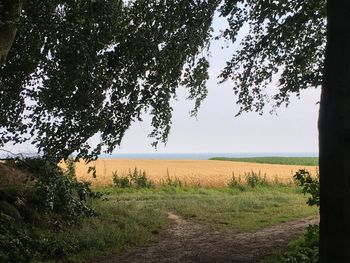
x=80, y=68
x=285, y=39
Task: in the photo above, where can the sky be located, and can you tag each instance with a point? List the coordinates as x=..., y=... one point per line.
x=217, y=130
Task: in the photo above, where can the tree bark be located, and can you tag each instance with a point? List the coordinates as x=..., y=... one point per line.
x=10, y=11
x=334, y=137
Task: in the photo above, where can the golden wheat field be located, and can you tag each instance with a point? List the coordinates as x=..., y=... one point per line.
x=205, y=173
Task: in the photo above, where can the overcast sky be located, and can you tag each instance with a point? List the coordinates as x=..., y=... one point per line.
x=293, y=129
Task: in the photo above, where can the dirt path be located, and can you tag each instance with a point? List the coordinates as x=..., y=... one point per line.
x=188, y=242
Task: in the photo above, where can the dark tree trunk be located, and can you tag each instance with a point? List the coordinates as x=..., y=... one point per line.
x=334, y=137
x=10, y=11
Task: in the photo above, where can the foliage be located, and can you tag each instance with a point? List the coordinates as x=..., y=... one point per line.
x=305, y=249
x=135, y=178
x=284, y=39
x=302, y=250
x=139, y=179
x=55, y=201
x=78, y=63
x=75, y=70
x=56, y=191
x=120, y=181
x=307, y=161
x=255, y=179
x=16, y=245
x=23, y=242
x=252, y=180
x=310, y=186
x=236, y=183
x=70, y=169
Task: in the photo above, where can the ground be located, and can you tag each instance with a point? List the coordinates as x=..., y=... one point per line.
x=189, y=242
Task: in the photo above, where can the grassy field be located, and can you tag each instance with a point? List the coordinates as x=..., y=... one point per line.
x=304, y=161
x=137, y=214
x=204, y=173
x=134, y=217
x=195, y=190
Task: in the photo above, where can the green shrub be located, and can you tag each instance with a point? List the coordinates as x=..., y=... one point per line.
x=310, y=186
x=139, y=179
x=21, y=242
x=236, y=183
x=135, y=178
x=121, y=181
x=56, y=199
x=253, y=179
x=55, y=190
x=16, y=244
x=70, y=170
x=305, y=249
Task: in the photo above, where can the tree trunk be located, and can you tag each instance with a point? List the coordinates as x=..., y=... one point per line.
x=10, y=11
x=334, y=137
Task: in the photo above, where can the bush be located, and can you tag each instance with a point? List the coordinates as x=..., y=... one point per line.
x=135, y=178
x=120, y=181
x=56, y=198
x=305, y=249
x=53, y=199
x=139, y=179
x=22, y=242
x=310, y=186
x=55, y=190
x=236, y=183
x=253, y=179
x=15, y=242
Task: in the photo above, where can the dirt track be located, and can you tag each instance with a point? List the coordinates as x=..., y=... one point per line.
x=187, y=242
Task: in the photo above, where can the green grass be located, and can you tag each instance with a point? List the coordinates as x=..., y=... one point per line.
x=130, y=217
x=307, y=161
x=119, y=226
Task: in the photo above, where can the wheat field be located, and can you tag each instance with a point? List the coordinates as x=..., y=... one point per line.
x=205, y=173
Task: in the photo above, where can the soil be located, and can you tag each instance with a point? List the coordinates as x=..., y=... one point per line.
x=189, y=242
